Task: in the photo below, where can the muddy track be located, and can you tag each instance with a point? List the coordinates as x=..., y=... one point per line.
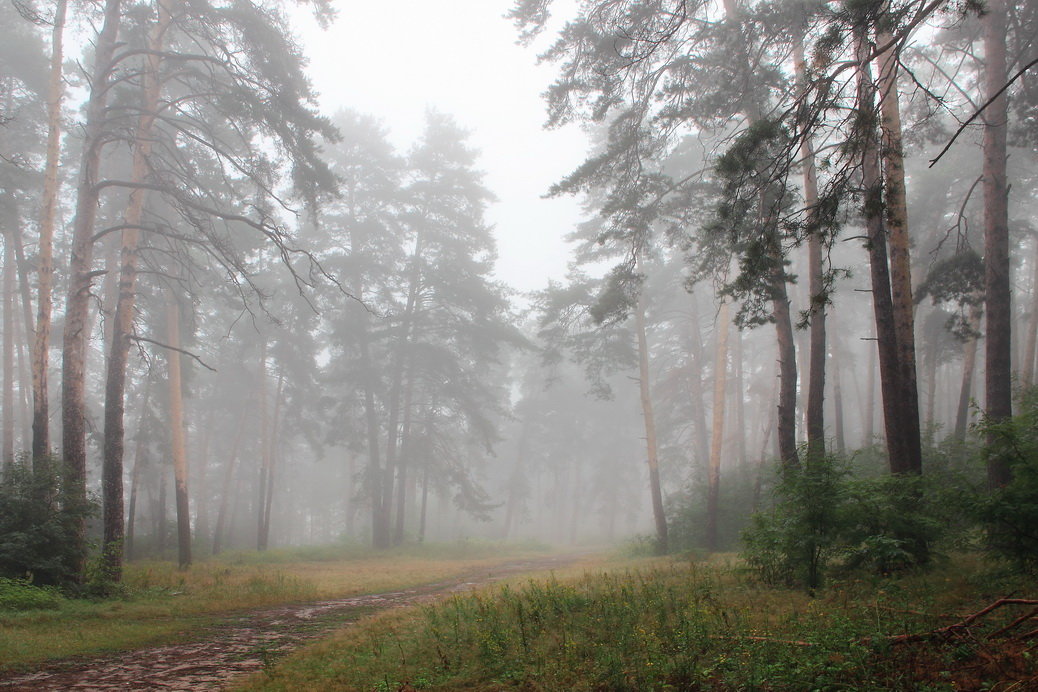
x=247, y=642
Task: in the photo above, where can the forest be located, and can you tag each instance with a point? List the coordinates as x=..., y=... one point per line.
x=257, y=351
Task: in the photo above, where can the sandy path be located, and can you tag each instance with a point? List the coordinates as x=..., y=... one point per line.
x=244, y=643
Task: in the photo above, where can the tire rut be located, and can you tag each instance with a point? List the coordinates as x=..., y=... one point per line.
x=246, y=643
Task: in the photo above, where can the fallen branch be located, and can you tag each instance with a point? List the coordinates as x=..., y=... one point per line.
x=964, y=624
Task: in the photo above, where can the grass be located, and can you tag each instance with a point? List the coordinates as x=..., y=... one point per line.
x=662, y=625
x=160, y=604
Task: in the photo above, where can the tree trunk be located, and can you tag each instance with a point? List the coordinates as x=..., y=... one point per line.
x=176, y=427
x=395, y=394
x=135, y=474
x=405, y=453
x=1027, y=371
x=265, y=453
x=969, y=361
x=886, y=332
x=425, y=497
x=713, y=496
x=838, y=419
x=787, y=415
x=869, y=431
x=740, y=402
x=8, y=352
x=80, y=273
x=225, y=492
x=267, y=499
x=650, y=427
x=998, y=392
x=45, y=254
x=815, y=424
x=122, y=325
x=900, y=259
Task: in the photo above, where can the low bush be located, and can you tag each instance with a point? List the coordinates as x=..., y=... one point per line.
x=19, y=594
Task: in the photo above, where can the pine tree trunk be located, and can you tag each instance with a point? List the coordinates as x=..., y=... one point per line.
x=740, y=402
x=45, y=253
x=650, y=428
x=815, y=424
x=135, y=474
x=998, y=392
x=80, y=278
x=838, y=420
x=896, y=205
x=702, y=435
x=265, y=453
x=176, y=427
x=713, y=496
x=405, y=453
x=869, y=431
x=267, y=499
x=395, y=395
x=883, y=307
x=225, y=488
x=7, y=452
x=1027, y=371
x=787, y=420
x=969, y=364
x=122, y=325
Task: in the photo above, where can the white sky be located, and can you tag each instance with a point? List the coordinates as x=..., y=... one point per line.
x=394, y=59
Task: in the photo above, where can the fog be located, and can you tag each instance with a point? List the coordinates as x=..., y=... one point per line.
x=336, y=280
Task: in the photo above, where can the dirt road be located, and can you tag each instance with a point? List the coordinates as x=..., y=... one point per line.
x=246, y=642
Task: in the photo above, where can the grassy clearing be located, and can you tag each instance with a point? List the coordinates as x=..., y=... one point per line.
x=160, y=603
x=671, y=625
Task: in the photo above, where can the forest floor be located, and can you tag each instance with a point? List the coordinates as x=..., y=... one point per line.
x=251, y=641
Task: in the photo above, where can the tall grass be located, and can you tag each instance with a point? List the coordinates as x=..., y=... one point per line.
x=673, y=627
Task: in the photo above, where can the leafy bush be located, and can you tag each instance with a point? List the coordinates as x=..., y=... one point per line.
x=1010, y=514
x=792, y=543
x=37, y=525
x=824, y=517
x=19, y=594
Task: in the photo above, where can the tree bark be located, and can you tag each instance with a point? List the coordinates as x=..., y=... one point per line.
x=969, y=362
x=1027, y=371
x=135, y=474
x=176, y=427
x=7, y=452
x=649, y=420
x=896, y=205
x=998, y=392
x=228, y=476
x=45, y=255
x=713, y=496
x=883, y=307
x=787, y=402
x=80, y=270
x=122, y=325
x=395, y=396
x=815, y=424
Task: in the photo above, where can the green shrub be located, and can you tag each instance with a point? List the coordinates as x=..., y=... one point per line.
x=823, y=517
x=37, y=525
x=19, y=594
x=1010, y=514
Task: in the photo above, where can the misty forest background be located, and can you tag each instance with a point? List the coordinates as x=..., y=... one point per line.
x=806, y=286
